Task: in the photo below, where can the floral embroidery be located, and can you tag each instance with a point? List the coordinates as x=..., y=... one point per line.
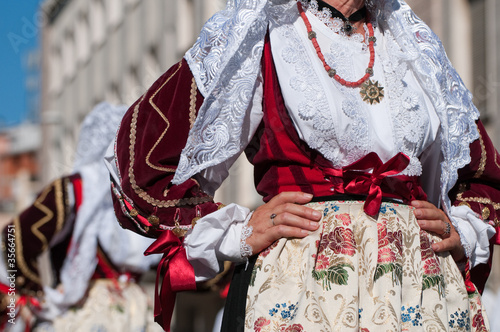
x=285, y=311
x=341, y=241
x=345, y=217
x=282, y=314
x=260, y=323
x=389, y=250
x=425, y=246
x=431, y=266
x=322, y=262
x=411, y=316
x=268, y=249
x=478, y=322
x=461, y=320
x=386, y=255
x=330, y=264
x=432, y=271
x=384, y=208
x=294, y=328
x=327, y=208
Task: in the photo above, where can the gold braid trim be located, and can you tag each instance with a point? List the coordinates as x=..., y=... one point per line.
x=192, y=104
x=35, y=228
x=157, y=109
x=21, y=263
x=481, y=200
x=60, y=203
x=482, y=163
x=133, y=139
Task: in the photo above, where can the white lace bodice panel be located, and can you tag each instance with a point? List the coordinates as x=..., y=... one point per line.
x=334, y=119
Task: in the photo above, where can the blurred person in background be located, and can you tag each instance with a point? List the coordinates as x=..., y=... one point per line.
x=75, y=268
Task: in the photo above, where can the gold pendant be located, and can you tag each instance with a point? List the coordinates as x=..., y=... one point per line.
x=371, y=92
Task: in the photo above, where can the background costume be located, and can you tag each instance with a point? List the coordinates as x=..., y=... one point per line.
x=93, y=264
x=235, y=95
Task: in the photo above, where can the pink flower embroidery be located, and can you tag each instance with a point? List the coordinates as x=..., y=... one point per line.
x=342, y=241
x=268, y=249
x=383, y=239
x=295, y=328
x=431, y=267
x=345, y=218
x=425, y=246
x=386, y=255
x=478, y=321
x=397, y=239
x=322, y=262
x=323, y=243
x=260, y=323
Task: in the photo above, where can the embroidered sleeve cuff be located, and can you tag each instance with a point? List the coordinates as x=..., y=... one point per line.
x=475, y=234
x=216, y=238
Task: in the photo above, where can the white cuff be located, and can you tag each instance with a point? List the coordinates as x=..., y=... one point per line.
x=475, y=234
x=216, y=238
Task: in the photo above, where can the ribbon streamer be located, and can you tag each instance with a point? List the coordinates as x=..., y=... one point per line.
x=179, y=275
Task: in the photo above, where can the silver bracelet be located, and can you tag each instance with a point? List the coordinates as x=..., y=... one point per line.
x=246, y=249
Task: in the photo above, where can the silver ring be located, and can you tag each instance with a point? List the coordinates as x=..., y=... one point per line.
x=272, y=218
x=447, y=229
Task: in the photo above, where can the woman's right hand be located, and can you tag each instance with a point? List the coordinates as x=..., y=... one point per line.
x=283, y=216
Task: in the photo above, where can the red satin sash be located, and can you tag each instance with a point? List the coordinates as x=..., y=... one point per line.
x=354, y=179
x=179, y=275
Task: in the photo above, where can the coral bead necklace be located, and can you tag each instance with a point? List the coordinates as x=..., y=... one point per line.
x=370, y=91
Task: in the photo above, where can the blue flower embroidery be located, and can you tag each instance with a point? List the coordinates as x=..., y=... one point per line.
x=411, y=315
x=287, y=312
x=459, y=320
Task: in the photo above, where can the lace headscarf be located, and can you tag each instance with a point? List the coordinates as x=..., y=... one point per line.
x=95, y=221
x=225, y=62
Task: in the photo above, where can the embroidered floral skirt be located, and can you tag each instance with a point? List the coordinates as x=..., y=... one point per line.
x=110, y=306
x=356, y=273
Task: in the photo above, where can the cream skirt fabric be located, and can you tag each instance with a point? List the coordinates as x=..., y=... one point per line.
x=110, y=306
x=356, y=273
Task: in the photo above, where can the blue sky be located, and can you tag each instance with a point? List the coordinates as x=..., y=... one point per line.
x=19, y=27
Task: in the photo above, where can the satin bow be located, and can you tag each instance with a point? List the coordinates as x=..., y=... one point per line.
x=179, y=275
x=357, y=181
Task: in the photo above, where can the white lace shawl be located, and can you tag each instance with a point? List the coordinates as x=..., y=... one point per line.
x=225, y=62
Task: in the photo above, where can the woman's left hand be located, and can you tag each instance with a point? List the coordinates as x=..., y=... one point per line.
x=432, y=219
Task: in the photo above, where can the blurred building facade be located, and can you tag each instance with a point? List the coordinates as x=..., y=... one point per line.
x=18, y=166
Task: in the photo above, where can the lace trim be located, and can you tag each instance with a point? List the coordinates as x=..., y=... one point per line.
x=226, y=70
x=246, y=249
x=334, y=23
x=451, y=99
x=409, y=118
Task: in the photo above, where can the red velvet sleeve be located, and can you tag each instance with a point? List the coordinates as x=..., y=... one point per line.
x=151, y=137
x=479, y=188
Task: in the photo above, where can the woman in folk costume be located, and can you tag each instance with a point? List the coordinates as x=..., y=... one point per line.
x=358, y=128
x=94, y=264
